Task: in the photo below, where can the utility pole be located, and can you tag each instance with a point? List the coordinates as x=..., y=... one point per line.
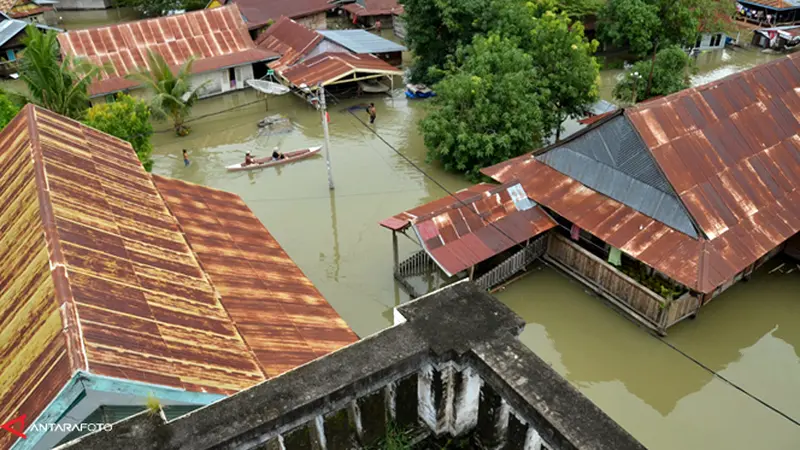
x=323, y=112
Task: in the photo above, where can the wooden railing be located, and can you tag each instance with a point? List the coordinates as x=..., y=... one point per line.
x=513, y=264
x=640, y=302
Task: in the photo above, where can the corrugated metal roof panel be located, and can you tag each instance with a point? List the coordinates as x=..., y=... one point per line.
x=217, y=37
x=327, y=68
x=258, y=13
x=262, y=289
x=289, y=39
x=460, y=233
x=368, y=8
x=361, y=41
x=87, y=243
x=731, y=151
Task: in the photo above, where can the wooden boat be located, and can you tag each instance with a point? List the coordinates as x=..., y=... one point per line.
x=267, y=161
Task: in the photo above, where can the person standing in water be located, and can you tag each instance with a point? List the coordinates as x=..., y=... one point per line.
x=185, y=158
x=372, y=113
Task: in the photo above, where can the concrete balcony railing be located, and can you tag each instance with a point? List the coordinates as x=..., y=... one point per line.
x=452, y=366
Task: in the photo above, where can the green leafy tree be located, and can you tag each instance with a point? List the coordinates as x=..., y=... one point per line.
x=631, y=23
x=670, y=74
x=61, y=87
x=488, y=107
x=8, y=109
x=562, y=58
x=580, y=8
x=174, y=94
x=129, y=119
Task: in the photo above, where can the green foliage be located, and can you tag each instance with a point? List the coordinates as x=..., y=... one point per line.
x=8, y=109
x=153, y=404
x=580, y=8
x=60, y=87
x=640, y=24
x=562, y=58
x=129, y=119
x=488, y=107
x=395, y=439
x=649, y=278
x=174, y=94
x=670, y=74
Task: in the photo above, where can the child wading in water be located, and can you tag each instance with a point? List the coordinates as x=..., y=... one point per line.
x=372, y=113
x=185, y=158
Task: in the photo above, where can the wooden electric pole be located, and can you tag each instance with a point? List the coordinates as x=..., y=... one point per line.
x=327, y=148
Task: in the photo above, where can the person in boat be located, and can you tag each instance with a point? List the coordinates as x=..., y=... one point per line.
x=276, y=155
x=248, y=159
x=372, y=113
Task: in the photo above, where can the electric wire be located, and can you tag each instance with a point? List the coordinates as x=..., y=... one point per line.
x=661, y=339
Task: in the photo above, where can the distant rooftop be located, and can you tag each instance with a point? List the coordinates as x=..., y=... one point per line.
x=361, y=41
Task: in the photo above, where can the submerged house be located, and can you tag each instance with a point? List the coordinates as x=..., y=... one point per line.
x=486, y=233
x=778, y=38
x=12, y=32
x=663, y=206
x=35, y=11
x=119, y=285
x=769, y=12
x=368, y=12
x=339, y=59
x=259, y=14
x=226, y=56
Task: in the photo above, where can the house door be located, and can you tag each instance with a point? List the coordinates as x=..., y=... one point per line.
x=10, y=55
x=232, y=76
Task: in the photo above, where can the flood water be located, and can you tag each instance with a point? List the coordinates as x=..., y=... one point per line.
x=750, y=335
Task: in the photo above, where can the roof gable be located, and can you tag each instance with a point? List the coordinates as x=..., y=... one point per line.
x=730, y=148
x=216, y=37
x=101, y=274
x=613, y=160
x=289, y=39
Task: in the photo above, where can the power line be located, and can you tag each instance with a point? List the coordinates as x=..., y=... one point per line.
x=662, y=340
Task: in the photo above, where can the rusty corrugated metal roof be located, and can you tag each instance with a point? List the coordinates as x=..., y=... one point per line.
x=289, y=39
x=258, y=13
x=34, y=358
x=731, y=151
x=328, y=68
x=103, y=278
x=217, y=37
x=281, y=315
x=484, y=221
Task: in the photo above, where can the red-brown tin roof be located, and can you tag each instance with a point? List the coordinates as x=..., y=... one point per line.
x=218, y=38
x=731, y=151
x=374, y=8
x=328, y=68
x=289, y=39
x=258, y=13
x=102, y=277
x=483, y=222
x=279, y=312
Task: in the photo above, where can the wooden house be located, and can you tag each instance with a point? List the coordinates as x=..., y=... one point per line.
x=663, y=206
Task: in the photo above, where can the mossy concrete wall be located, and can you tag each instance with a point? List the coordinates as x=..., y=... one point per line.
x=452, y=367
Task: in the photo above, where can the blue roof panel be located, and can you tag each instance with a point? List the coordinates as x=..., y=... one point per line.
x=361, y=41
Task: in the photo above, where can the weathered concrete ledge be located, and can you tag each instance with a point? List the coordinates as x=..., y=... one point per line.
x=452, y=365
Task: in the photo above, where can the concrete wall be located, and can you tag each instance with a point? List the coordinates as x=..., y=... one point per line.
x=452, y=366
x=399, y=27
x=316, y=21
x=326, y=46
x=712, y=41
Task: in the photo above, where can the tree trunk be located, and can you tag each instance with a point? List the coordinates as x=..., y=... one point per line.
x=652, y=66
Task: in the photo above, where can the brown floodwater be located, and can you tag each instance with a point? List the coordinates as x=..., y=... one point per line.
x=750, y=335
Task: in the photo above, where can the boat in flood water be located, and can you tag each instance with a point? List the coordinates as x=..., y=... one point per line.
x=267, y=161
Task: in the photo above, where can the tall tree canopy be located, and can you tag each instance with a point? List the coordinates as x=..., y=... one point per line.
x=61, y=87
x=670, y=74
x=173, y=93
x=126, y=118
x=489, y=107
x=643, y=24
x=563, y=59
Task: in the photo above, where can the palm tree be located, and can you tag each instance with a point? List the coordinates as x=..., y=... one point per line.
x=61, y=87
x=174, y=93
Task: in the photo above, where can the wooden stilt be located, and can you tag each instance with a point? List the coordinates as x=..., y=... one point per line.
x=395, y=250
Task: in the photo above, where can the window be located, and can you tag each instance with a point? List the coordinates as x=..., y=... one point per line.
x=111, y=98
x=699, y=41
x=717, y=39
